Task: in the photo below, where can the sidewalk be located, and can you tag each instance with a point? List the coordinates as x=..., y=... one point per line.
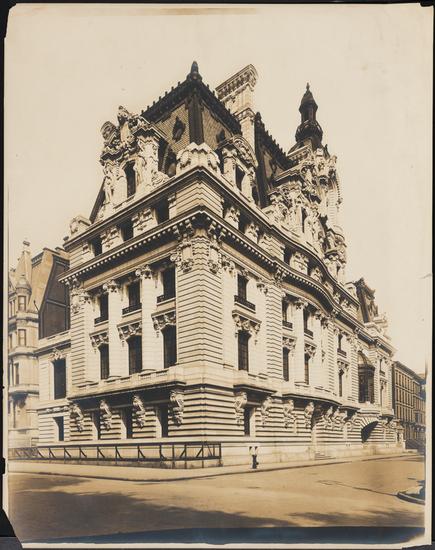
x=139, y=473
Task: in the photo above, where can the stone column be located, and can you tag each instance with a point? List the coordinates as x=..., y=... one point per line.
x=261, y=296
x=117, y=366
x=228, y=291
x=152, y=342
x=316, y=362
x=92, y=371
x=298, y=327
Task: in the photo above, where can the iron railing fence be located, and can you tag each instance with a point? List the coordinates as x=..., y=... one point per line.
x=166, y=455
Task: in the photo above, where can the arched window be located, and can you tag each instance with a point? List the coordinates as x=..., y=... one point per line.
x=366, y=379
x=130, y=174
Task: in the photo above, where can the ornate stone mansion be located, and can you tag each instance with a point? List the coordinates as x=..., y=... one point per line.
x=208, y=293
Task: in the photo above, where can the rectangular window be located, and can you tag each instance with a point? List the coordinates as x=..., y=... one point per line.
x=307, y=368
x=96, y=246
x=162, y=211
x=103, y=302
x=340, y=384
x=16, y=376
x=134, y=354
x=21, y=303
x=240, y=174
x=96, y=425
x=306, y=317
x=243, y=350
x=168, y=280
x=127, y=421
x=22, y=337
x=287, y=255
x=284, y=308
x=126, y=229
x=130, y=175
x=59, y=428
x=170, y=346
x=59, y=374
x=104, y=361
x=242, y=283
x=134, y=295
x=285, y=364
x=163, y=421
x=249, y=421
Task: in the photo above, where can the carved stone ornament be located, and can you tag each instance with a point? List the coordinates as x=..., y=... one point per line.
x=308, y=414
x=111, y=286
x=77, y=416
x=316, y=274
x=78, y=297
x=109, y=237
x=289, y=415
x=240, y=402
x=310, y=349
x=327, y=417
x=144, y=272
x=262, y=286
x=183, y=257
x=214, y=261
x=105, y=415
x=141, y=220
x=265, y=409
x=246, y=324
x=176, y=398
x=300, y=303
x=195, y=155
x=228, y=264
x=56, y=354
x=139, y=411
x=164, y=320
x=289, y=343
x=127, y=331
x=99, y=339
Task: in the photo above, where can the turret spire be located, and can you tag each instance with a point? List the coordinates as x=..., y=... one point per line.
x=309, y=128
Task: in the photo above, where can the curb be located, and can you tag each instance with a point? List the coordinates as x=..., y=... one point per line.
x=277, y=467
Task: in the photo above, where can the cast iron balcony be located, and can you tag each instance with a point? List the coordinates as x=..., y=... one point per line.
x=164, y=297
x=287, y=324
x=100, y=319
x=130, y=309
x=308, y=332
x=341, y=352
x=243, y=302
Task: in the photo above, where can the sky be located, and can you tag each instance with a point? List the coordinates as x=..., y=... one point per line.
x=69, y=67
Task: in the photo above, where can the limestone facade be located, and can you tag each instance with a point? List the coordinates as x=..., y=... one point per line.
x=208, y=292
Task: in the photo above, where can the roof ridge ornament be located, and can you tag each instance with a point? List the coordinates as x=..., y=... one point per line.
x=194, y=72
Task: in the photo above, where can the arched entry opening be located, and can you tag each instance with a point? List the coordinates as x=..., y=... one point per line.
x=367, y=430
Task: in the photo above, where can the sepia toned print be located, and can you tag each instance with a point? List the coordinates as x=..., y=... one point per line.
x=194, y=357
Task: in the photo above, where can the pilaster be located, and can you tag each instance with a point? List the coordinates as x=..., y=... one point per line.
x=117, y=366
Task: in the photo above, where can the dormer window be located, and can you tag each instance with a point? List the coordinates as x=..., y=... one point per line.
x=126, y=229
x=240, y=174
x=162, y=211
x=96, y=246
x=131, y=179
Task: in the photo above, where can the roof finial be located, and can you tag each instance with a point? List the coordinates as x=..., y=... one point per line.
x=308, y=86
x=194, y=72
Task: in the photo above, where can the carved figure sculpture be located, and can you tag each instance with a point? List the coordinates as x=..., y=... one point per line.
x=289, y=414
x=265, y=409
x=239, y=405
x=76, y=416
x=106, y=415
x=308, y=414
x=177, y=400
x=139, y=410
